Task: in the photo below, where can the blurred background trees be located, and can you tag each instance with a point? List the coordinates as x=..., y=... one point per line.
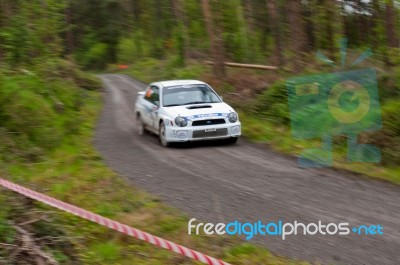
x=274, y=32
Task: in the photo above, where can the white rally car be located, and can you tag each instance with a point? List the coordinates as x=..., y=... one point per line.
x=185, y=110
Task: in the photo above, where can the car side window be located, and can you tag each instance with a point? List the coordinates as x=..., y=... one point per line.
x=153, y=95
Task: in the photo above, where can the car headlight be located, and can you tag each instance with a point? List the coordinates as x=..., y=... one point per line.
x=232, y=117
x=181, y=122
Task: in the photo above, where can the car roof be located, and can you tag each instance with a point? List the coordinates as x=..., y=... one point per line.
x=168, y=83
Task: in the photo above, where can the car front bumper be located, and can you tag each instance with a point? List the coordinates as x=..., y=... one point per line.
x=202, y=133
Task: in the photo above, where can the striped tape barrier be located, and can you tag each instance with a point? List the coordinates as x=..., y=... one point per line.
x=111, y=224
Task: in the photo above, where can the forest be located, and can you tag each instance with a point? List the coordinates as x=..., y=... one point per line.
x=277, y=32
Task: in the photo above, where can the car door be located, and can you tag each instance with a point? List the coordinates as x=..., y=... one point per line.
x=151, y=104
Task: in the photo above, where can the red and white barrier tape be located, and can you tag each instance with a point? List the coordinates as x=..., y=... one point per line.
x=111, y=224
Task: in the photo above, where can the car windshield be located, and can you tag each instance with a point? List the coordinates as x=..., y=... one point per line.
x=188, y=94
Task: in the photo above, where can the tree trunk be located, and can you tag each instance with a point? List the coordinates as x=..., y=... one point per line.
x=330, y=12
x=376, y=24
x=274, y=26
x=249, y=15
x=216, y=43
x=391, y=24
x=309, y=28
x=297, y=34
x=69, y=35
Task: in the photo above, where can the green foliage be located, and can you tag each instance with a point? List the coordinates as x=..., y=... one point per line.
x=6, y=231
x=248, y=254
x=393, y=56
x=15, y=42
x=54, y=70
x=96, y=57
x=389, y=83
x=195, y=26
x=29, y=114
x=389, y=137
x=147, y=70
x=104, y=252
x=189, y=72
x=38, y=109
x=33, y=32
x=235, y=39
x=112, y=31
x=179, y=42
x=151, y=70
x=127, y=50
x=132, y=48
x=272, y=104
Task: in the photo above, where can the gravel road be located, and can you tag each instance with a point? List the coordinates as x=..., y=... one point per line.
x=247, y=182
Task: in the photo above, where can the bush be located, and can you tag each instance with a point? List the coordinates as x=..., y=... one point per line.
x=393, y=55
x=389, y=84
x=272, y=104
x=388, y=138
x=96, y=57
x=193, y=71
x=148, y=70
x=38, y=109
x=127, y=50
x=27, y=113
x=132, y=48
x=58, y=69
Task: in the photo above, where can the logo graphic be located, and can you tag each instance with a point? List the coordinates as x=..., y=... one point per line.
x=282, y=229
x=340, y=103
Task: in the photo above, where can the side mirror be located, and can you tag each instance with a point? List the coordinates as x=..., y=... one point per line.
x=222, y=99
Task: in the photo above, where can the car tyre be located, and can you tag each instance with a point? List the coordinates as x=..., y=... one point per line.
x=139, y=125
x=162, y=132
x=232, y=140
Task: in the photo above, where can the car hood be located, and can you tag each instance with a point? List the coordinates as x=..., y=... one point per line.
x=199, y=111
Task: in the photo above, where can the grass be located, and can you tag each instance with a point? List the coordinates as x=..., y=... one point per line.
x=280, y=139
x=74, y=172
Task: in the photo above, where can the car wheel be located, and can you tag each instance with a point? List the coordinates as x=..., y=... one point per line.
x=232, y=140
x=139, y=125
x=162, y=135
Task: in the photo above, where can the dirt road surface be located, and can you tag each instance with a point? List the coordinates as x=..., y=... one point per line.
x=246, y=182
